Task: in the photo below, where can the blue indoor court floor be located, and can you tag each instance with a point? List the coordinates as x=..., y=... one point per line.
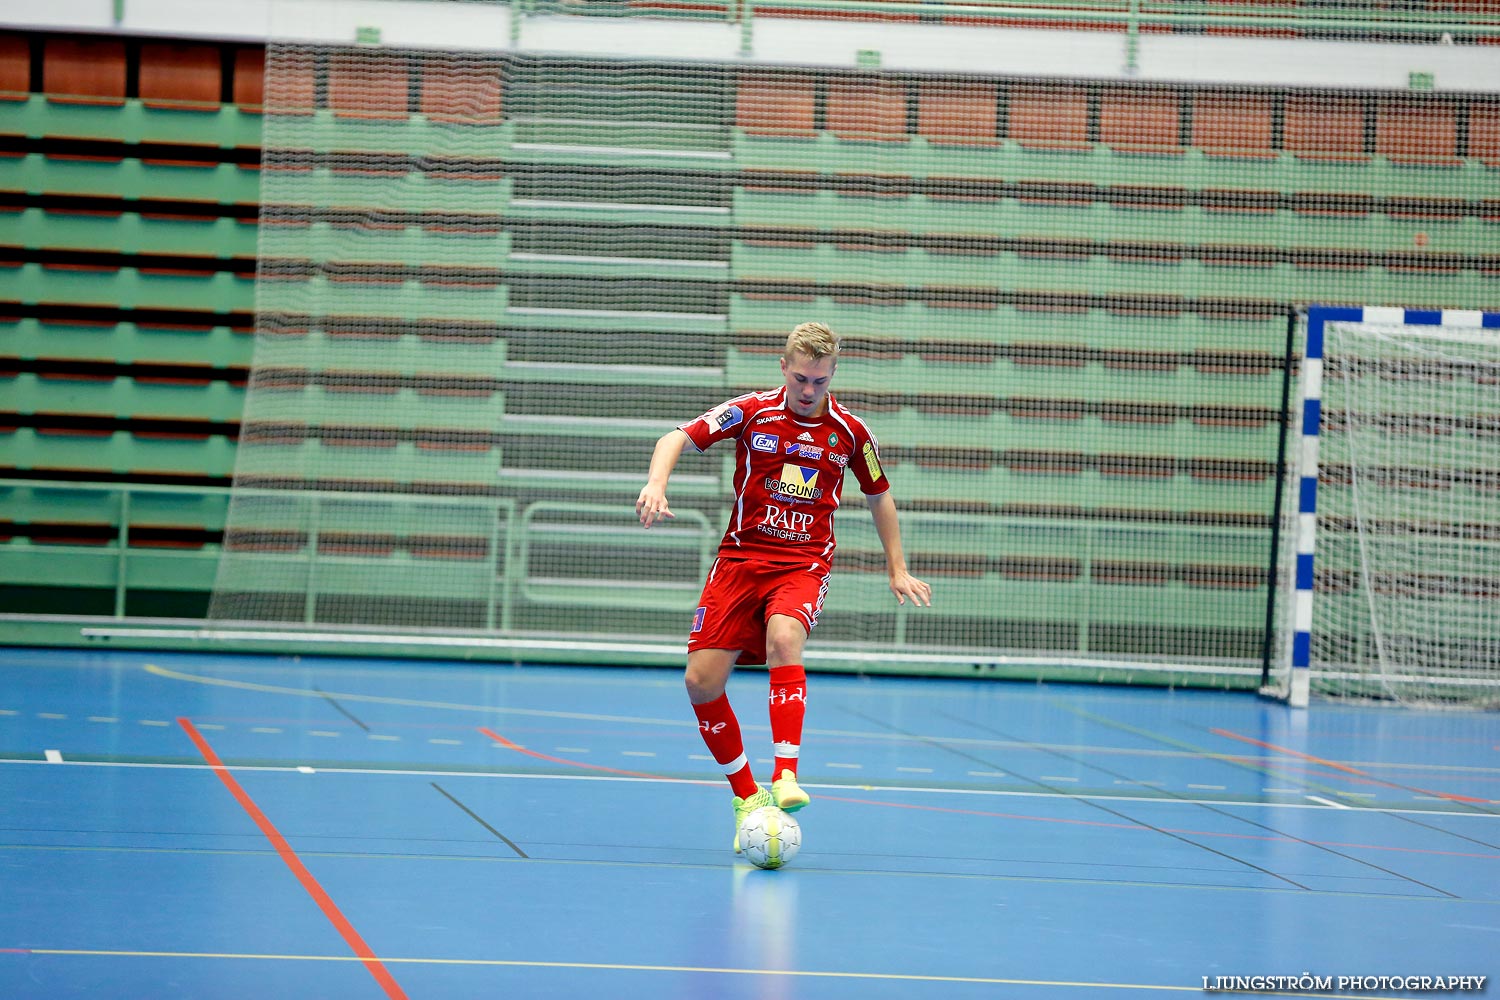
x=225, y=827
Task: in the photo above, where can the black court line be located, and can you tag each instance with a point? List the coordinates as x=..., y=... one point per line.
x=1092, y=803
x=476, y=818
x=1276, y=767
x=347, y=714
x=1169, y=794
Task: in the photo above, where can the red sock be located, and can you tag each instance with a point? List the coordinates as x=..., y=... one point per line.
x=721, y=733
x=788, y=706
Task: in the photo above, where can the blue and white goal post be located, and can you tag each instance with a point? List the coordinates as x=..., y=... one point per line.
x=1395, y=590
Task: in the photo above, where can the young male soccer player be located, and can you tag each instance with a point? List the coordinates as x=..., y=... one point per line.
x=792, y=447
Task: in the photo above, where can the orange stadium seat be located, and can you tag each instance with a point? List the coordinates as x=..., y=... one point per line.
x=1133, y=120
x=15, y=67
x=181, y=75
x=457, y=91
x=358, y=88
x=1417, y=132
x=1324, y=127
x=958, y=113
x=1233, y=124
x=776, y=104
x=84, y=71
x=250, y=79
x=1484, y=131
x=861, y=108
x=1049, y=116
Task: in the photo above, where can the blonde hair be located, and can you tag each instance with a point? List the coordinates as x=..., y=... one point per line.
x=814, y=340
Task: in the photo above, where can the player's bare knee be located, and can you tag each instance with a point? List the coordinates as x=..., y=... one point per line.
x=704, y=683
x=700, y=689
x=784, y=641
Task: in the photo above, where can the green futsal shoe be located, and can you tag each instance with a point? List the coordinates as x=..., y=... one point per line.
x=744, y=807
x=788, y=794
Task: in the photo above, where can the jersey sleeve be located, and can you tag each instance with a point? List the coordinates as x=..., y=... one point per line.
x=865, y=463
x=725, y=421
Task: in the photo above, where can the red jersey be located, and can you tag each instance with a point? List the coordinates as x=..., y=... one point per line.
x=788, y=473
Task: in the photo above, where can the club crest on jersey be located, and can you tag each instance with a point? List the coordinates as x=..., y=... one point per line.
x=764, y=442
x=797, y=481
x=724, y=416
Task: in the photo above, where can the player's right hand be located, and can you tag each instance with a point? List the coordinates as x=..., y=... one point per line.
x=651, y=507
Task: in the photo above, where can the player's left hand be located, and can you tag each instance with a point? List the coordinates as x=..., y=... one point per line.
x=904, y=585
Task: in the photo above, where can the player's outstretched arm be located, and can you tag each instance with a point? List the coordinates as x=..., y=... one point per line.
x=888, y=527
x=651, y=505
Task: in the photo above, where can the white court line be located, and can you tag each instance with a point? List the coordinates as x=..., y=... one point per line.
x=719, y=782
x=1327, y=802
x=104, y=718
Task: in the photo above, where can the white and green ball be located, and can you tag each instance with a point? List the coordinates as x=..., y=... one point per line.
x=769, y=838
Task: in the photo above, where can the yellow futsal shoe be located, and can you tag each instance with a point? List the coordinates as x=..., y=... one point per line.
x=788, y=794
x=744, y=807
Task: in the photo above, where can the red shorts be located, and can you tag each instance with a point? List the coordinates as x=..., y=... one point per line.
x=741, y=595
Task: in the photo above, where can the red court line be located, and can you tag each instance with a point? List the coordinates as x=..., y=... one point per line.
x=325, y=903
x=1369, y=779
x=563, y=760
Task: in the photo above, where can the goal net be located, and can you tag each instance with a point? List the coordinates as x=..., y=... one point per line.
x=1405, y=595
x=489, y=281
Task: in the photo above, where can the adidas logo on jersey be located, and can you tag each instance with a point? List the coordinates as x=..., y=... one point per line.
x=805, y=436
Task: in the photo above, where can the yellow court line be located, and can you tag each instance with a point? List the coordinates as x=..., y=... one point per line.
x=621, y=967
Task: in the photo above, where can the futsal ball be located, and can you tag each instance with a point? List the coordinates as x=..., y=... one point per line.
x=769, y=838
